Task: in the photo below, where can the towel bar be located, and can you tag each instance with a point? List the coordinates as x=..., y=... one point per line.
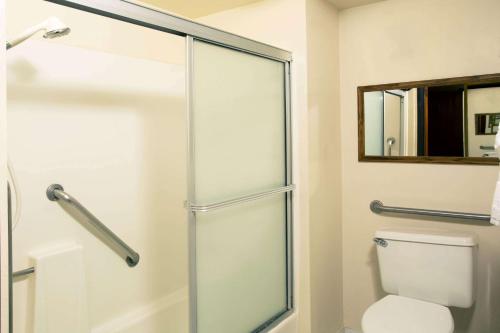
x=378, y=208
x=251, y=197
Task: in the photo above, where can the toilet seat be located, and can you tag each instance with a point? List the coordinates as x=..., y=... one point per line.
x=397, y=314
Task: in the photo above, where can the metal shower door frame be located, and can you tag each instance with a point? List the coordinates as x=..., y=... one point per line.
x=194, y=207
x=139, y=14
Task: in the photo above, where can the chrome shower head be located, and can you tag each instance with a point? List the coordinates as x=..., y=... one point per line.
x=53, y=28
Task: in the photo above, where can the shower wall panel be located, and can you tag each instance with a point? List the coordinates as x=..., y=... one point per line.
x=111, y=129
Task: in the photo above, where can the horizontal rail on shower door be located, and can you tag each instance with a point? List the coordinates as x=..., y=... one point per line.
x=56, y=192
x=236, y=201
x=378, y=208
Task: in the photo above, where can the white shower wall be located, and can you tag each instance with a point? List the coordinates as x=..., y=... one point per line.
x=112, y=130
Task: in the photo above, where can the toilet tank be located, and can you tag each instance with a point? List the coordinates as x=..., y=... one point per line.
x=431, y=265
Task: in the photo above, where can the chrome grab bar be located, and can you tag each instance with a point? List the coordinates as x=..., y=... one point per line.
x=378, y=208
x=247, y=198
x=56, y=192
x=23, y=272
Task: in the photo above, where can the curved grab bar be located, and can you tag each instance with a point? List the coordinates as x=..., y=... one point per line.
x=56, y=192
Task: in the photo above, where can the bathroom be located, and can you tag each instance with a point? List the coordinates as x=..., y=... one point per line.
x=102, y=111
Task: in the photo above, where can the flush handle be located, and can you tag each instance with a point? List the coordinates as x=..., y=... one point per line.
x=380, y=242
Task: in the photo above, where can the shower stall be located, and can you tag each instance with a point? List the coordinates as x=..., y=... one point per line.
x=150, y=174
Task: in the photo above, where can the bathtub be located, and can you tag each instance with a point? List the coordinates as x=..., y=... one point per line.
x=166, y=314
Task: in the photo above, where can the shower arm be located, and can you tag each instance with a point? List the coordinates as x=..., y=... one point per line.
x=55, y=192
x=24, y=36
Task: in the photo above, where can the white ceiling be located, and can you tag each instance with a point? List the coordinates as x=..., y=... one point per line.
x=196, y=8
x=343, y=4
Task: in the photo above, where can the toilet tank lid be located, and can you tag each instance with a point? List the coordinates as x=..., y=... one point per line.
x=430, y=236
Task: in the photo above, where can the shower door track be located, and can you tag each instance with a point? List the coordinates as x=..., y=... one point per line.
x=139, y=14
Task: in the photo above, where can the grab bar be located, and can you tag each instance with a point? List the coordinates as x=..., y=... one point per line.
x=23, y=272
x=56, y=192
x=251, y=197
x=378, y=208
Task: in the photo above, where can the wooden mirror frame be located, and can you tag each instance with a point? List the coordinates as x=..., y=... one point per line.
x=466, y=81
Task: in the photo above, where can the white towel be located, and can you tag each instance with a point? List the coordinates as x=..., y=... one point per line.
x=60, y=293
x=495, y=206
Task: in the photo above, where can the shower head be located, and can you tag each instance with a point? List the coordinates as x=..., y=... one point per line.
x=52, y=27
x=55, y=28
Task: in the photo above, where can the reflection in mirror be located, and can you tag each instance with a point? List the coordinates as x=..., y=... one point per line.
x=432, y=121
x=487, y=123
x=391, y=123
x=483, y=119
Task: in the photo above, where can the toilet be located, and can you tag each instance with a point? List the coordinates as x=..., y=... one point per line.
x=424, y=272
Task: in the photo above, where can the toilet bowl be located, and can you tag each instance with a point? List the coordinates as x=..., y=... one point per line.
x=397, y=314
x=424, y=272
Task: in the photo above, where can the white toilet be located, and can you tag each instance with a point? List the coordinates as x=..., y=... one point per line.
x=424, y=271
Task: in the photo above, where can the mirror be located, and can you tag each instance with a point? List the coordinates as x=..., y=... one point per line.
x=437, y=121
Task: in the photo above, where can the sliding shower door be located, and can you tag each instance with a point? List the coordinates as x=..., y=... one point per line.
x=240, y=192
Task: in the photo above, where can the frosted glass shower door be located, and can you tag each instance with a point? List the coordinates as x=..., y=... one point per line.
x=240, y=195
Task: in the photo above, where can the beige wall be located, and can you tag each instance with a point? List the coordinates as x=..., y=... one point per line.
x=324, y=167
x=448, y=38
